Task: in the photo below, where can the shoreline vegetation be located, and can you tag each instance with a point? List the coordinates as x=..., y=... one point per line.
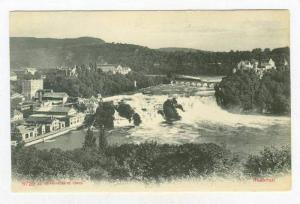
x=245, y=92
x=148, y=162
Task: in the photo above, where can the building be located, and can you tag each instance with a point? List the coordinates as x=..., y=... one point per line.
x=46, y=124
x=17, y=96
x=48, y=95
x=267, y=64
x=247, y=64
x=123, y=70
x=107, y=68
x=68, y=71
x=16, y=99
x=260, y=67
x=13, y=76
x=114, y=69
x=67, y=114
x=27, y=132
x=30, y=70
x=90, y=104
x=16, y=115
x=30, y=87
x=55, y=110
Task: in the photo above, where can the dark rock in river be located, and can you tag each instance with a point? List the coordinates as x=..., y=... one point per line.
x=169, y=111
x=126, y=111
x=136, y=119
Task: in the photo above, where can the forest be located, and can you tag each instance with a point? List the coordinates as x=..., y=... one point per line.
x=244, y=91
x=92, y=82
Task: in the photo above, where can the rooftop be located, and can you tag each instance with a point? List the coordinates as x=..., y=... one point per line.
x=43, y=120
x=55, y=94
x=56, y=109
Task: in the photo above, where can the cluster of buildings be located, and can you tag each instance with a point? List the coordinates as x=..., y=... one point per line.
x=104, y=67
x=39, y=112
x=260, y=67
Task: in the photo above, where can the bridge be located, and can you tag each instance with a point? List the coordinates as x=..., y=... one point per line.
x=196, y=81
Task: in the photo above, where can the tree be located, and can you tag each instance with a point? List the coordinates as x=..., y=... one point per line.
x=104, y=115
x=17, y=136
x=102, y=139
x=89, y=140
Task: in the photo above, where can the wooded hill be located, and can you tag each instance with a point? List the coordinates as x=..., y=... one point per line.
x=47, y=53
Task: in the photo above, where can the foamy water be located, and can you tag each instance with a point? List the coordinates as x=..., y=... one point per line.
x=202, y=121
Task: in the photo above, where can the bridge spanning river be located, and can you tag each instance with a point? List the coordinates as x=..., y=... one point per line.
x=196, y=81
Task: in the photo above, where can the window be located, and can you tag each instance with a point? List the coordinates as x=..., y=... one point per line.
x=26, y=136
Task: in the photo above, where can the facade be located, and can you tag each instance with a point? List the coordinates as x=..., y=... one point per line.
x=68, y=115
x=46, y=124
x=27, y=132
x=30, y=87
x=75, y=120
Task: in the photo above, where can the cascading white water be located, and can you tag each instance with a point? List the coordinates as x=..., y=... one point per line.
x=203, y=121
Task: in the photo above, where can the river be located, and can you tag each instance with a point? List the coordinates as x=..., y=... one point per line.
x=203, y=121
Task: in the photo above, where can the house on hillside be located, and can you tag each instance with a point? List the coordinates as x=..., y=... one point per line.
x=68, y=71
x=113, y=68
x=30, y=70
x=267, y=64
x=258, y=66
x=123, y=70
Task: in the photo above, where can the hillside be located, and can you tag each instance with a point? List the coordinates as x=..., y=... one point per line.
x=178, y=49
x=47, y=53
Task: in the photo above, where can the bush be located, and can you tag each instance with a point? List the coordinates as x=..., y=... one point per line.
x=271, y=160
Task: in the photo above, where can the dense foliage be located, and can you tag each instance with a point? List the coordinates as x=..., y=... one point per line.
x=91, y=82
x=146, y=162
x=245, y=91
x=271, y=160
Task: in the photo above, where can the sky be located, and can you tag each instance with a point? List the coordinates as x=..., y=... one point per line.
x=204, y=30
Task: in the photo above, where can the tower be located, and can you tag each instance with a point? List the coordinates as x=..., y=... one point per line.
x=30, y=87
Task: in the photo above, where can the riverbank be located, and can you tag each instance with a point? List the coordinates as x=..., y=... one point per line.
x=50, y=135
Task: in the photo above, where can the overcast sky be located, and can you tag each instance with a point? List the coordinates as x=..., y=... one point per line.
x=205, y=30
